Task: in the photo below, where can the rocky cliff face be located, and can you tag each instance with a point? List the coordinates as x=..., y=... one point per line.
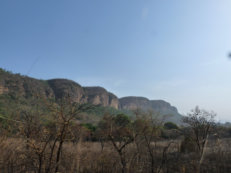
x=63, y=88
x=79, y=94
x=132, y=103
x=159, y=106
x=22, y=86
x=3, y=89
x=98, y=95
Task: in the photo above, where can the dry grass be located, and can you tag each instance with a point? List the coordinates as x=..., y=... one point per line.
x=88, y=157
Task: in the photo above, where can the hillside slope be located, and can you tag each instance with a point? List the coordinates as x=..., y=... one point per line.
x=18, y=86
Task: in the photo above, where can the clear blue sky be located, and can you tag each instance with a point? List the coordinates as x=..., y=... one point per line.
x=161, y=49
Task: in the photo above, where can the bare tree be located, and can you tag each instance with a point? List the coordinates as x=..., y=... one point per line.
x=64, y=114
x=45, y=134
x=200, y=123
x=148, y=129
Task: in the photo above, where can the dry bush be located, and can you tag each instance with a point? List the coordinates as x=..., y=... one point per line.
x=63, y=145
x=87, y=157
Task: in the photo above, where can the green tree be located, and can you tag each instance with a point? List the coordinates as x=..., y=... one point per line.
x=118, y=130
x=170, y=125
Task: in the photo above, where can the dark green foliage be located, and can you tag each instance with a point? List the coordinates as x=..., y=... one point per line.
x=170, y=125
x=90, y=127
x=2, y=71
x=122, y=120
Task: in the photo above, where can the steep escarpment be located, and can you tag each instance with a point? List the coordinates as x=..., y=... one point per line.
x=133, y=103
x=19, y=86
x=159, y=106
x=67, y=88
x=98, y=95
x=79, y=94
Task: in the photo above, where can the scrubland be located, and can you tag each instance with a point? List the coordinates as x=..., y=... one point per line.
x=59, y=142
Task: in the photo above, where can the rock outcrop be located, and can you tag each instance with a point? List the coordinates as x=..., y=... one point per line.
x=17, y=85
x=98, y=95
x=158, y=106
x=67, y=88
x=3, y=90
x=22, y=86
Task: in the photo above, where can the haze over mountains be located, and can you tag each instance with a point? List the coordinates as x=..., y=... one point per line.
x=16, y=85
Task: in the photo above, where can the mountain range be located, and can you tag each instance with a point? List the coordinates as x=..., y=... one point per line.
x=19, y=86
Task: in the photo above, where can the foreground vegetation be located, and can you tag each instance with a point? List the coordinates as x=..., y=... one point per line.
x=56, y=140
